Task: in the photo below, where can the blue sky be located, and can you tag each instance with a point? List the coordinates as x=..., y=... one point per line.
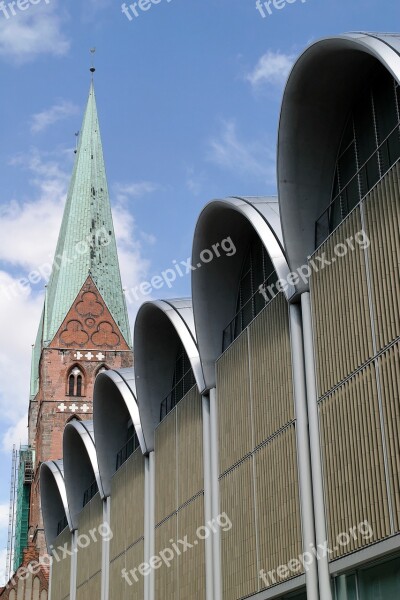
x=188, y=96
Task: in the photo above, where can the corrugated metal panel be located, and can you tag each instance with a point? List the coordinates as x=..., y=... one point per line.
x=61, y=569
x=238, y=546
x=233, y=399
x=278, y=503
x=166, y=578
x=134, y=508
x=353, y=462
x=190, y=446
x=191, y=563
x=389, y=366
x=117, y=509
x=343, y=334
x=134, y=558
x=118, y=586
x=382, y=215
x=165, y=467
x=89, y=558
x=271, y=370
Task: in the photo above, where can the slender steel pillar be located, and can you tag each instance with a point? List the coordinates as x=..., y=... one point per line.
x=303, y=449
x=74, y=565
x=207, y=496
x=316, y=462
x=215, y=505
x=105, y=569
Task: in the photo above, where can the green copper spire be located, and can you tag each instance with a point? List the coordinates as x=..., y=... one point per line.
x=86, y=244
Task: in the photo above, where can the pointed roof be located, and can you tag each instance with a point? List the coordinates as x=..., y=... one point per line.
x=86, y=244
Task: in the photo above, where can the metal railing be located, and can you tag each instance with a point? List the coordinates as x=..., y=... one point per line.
x=90, y=493
x=62, y=524
x=127, y=450
x=250, y=309
x=179, y=390
x=326, y=223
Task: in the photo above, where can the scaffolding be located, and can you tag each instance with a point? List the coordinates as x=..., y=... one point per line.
x=11, y=516
x=24, y=479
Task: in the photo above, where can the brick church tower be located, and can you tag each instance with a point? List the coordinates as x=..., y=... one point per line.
x=84, y=326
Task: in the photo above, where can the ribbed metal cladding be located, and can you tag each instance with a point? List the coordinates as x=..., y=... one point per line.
x=238, y=546
x=353, y=462
x=382, y=216
x=271, y=370
x=61, y=569
x=134, y=558
x=343, y=333
x=191, y=563
x=166, y=468
x=166, y=577
x=90, y=590
x=127, y=525
x=89, y=558
x=189, y=446
x=389, y=365
x=234, y=408
x=278, y=502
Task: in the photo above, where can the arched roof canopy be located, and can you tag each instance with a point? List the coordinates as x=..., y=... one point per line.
x=215, y=285
x=321, y=90
x=161, y=327
x=80, y=464
x=114, y=405
x=53, y=496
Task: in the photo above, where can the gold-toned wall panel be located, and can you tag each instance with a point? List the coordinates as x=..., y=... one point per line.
x=389, y=365
x=271, y=369
x=191, y=563
x=117, y=512
x=190, y=446
x=165, y=467
x=94, y=587
x=233, y=400
x=134, y=515
x=166, y=578
x=382, y=216
x=278, y=501
x=89, y=557
x=82, y=593
x=342, y=324
x=353, y=461
x=134, y=558
x=61, y=569
x=238, y=545
x=119, y=588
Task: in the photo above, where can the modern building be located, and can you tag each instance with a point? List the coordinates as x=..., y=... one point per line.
x=84, y=330
x=254, y=450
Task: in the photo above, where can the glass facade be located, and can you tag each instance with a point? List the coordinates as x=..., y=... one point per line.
x=378, y=582
x=183, y=380
x=370, y=147
x=256, y=289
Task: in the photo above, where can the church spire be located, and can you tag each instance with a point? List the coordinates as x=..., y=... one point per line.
x=86, y=244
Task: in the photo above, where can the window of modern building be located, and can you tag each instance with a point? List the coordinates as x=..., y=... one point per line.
x=90, y=493
x=376, y=582
x=256, y=288
x=183, y=380
x=370, y=146
x=75, y=383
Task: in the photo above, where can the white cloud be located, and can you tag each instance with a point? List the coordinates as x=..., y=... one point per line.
x=4, y=510
x=272, y=68
x=17, y=434
x=252, y=158
x=3, y=559
x=124, y=191
x=58, y=112
x=33, y=32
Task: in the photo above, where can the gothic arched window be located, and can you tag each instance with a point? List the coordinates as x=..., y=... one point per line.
x=76, y=383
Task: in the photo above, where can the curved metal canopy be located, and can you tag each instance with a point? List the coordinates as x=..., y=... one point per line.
x=81, y=467
x=160, y=327
x=114, y=404
x=215, y=284
x=54, y=500
x=321, y=89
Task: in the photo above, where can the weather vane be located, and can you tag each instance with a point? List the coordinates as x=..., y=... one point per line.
x=92, y=52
